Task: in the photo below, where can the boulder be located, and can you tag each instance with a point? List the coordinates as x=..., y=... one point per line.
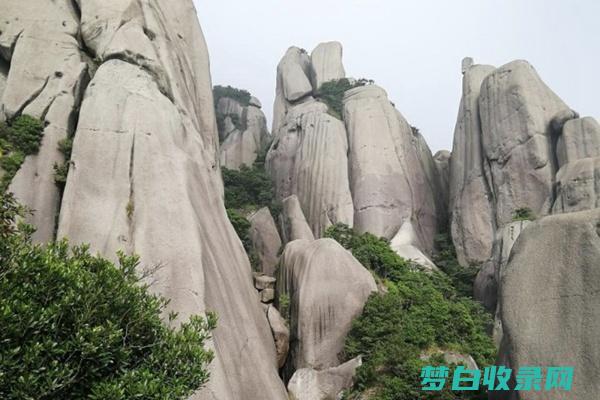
x=254, y=102
x=265, y=240
x=262, y=282
x=281, y=334
x=3, y=78
x=145, y=179
x=294, y=72
x=326, y=64
x=327, y=384
x=309, y=159
x=292, y=221
x=580, y=138
x=327, y=288
x=578, y=186
x=516, y=110
x=470, y=197
x=388, y=182
x=267, y=295
x=242, y=142
x=550, y=301
x=451, y=357
x=403, y=244
x=487, y=280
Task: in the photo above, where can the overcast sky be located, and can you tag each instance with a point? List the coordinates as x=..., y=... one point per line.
x=413, y=49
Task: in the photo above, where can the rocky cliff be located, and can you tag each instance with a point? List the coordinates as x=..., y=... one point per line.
x=130, y=81
x=127, y=82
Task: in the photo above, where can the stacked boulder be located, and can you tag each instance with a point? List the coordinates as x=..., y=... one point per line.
x=366, y=168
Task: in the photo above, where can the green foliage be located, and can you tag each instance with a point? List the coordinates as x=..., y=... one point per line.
x=61, y=170
x=283, y=304
x=419, y=313
x=523, y=214
x=241, y=226
x=332, y=93
x=372, y=252
x=247, y=189
x=240, y=95
x=462, y=277
x=18, y=138
x=75, y=326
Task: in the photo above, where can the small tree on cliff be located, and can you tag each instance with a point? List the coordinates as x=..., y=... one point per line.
x=75, y=326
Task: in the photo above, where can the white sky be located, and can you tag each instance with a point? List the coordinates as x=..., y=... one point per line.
x=413, y=48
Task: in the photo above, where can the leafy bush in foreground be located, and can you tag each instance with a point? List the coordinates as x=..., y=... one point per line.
x=18, y=138
x=75, y=326
x=420, y=314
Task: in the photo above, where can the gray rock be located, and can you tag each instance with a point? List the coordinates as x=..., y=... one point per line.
x=516, y=110
x=550, y=301
x=580, y=138
x=294, y=71
x=578, y=186
x=267, y=295
x=561, y=118
x=293, y=223
x=466, y=64
x=470, y=197
x=254, y=102
x=45, y=81
x=441, y=161
x=3, y=78
x=241, y=144
x=265, y=240
x=327, y=288
x=326, y=64
x=262, y=282
x=327, y=384
x=487, y=281
x=281, y=335
x=309, y=159
x=146, y=171
x=388, y=181
x=404, y=244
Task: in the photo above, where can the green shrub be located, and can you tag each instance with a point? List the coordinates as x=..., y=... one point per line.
x=283, y=306
x=240, y=95
x=332, y=94
x=241, y=226
x=419, y=313
x=248, y=188
x=445, y=258
x=523, y=214
x=18, y=138
x=75, y=326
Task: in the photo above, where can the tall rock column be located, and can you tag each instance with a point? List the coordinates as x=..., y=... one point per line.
x=308, y=157
x=388, y=182
x=145, y=179
x=471, y=197
x=516, y=110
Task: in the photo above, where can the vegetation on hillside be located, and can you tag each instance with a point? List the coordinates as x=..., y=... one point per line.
x=462, y=278
x=523, y=214
x=61, y=170
x=19, y=138
x=76, y=326
x=419, y=315
x=247, y=190
x=332, y=94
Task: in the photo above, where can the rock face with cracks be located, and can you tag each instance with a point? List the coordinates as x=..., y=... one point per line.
x=130, y=80
x=555, y=321
x=48, y=72
x=265, y=240
x=470, y=198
